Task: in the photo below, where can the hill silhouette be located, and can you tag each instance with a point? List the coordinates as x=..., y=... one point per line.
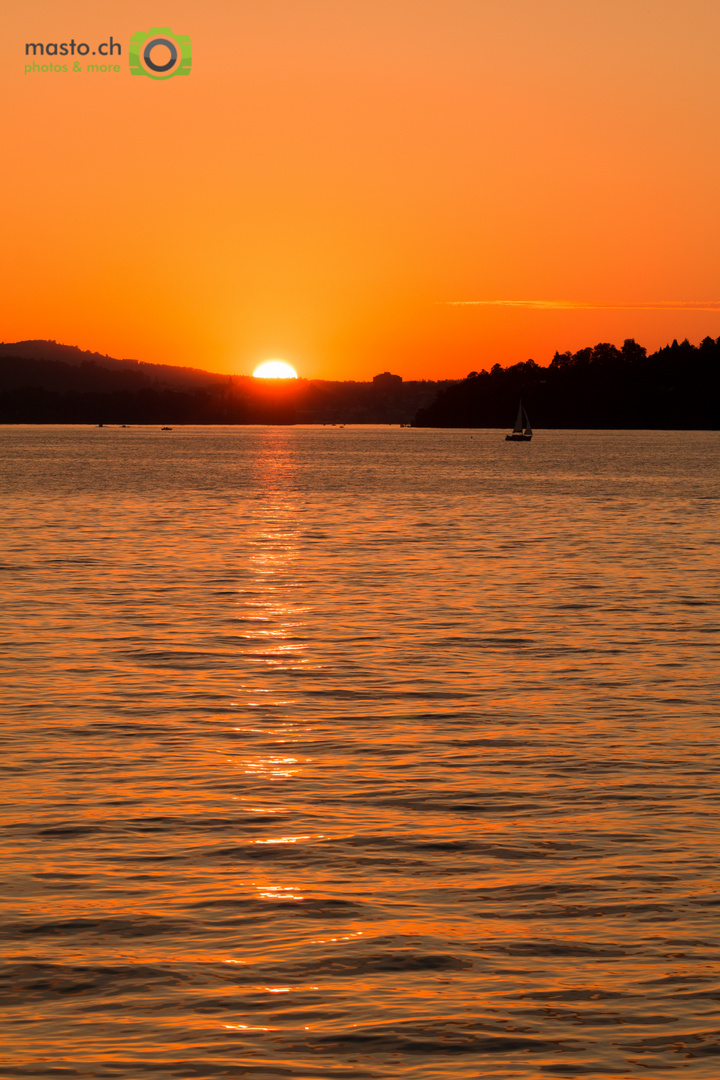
x=675, y=388
x=91, y=365
x=43, y=382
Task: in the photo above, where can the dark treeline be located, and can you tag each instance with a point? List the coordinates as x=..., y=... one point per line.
x=602, y=387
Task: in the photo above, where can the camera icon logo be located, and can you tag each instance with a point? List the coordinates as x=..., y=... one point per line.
x=159, y=53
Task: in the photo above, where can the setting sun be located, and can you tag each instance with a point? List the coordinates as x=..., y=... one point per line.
x=275, y=369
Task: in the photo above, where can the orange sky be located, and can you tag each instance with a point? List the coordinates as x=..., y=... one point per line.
x=332, y=172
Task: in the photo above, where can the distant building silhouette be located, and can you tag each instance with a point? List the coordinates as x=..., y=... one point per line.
x=386, y=381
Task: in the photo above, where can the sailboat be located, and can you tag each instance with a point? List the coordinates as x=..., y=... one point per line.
x=518, y=434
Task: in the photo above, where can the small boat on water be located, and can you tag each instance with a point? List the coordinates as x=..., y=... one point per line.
x=520, y=435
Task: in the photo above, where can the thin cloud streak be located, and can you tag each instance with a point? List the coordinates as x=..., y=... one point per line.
x=591, y=305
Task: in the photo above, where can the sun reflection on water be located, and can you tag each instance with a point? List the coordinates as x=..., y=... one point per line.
x=278, y=892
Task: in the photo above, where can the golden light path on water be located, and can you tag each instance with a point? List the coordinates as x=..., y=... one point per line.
x=378, y=752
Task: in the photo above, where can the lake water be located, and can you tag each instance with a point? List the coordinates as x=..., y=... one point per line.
x=360, y=753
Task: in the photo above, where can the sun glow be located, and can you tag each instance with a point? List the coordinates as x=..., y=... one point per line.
x=275, y=369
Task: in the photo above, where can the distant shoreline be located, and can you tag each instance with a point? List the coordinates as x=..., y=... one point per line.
x=600, y=388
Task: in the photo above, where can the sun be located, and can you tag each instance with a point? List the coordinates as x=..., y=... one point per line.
x=275, y=369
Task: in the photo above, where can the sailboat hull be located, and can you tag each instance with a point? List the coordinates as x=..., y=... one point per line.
x=518, y=438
